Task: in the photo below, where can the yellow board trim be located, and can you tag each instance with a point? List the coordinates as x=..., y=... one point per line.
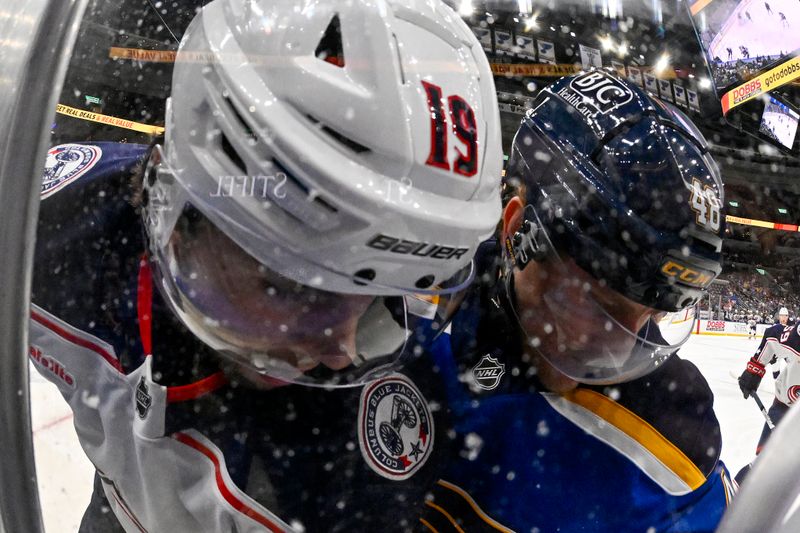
x=108, y=119
x=640, y=431
x=140, y=54
x=698, y=6
x=784, y=73
x=461, y=492
x=545, y=70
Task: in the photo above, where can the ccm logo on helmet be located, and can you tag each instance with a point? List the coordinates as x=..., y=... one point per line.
x=420, y=249
x=600, y=91
x=686, y=274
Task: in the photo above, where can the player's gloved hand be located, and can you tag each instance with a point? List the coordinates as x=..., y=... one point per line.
x=751, y=377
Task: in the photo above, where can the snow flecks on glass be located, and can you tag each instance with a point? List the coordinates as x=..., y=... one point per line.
x=542, y=429
x=90, y=400
x=473, y=444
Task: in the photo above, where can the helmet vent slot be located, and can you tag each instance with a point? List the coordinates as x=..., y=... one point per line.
x=315, y=198
x=326, y=205
x=399, y=59
x=341, y=139
x=230, y=151
x=350, y=143
x=330, y=47
x=245, y=127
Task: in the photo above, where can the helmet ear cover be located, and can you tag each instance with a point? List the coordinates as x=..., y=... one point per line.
x=527, y=243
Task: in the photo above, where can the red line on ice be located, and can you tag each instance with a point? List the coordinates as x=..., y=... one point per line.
x=52, y=423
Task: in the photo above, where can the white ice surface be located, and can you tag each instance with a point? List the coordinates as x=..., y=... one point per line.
x=65, y=475
x=739, y=419
x=764, y=34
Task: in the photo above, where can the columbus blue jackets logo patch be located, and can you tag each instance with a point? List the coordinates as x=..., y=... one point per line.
x=487, y=372
x=66, y=163
x=395, y=427
x=143, y=399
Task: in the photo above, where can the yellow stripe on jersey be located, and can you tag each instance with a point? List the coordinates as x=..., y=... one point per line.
x=430, y=298
x=640, y=431
x=730, y=487
x=446, y=515
x=483, y=516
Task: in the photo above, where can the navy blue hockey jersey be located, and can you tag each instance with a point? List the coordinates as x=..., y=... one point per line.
x=639, y=456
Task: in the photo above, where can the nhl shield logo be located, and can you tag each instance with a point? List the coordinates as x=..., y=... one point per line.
x=395, y=427
x=66, y=163
x=487, y=372
x=143, y=399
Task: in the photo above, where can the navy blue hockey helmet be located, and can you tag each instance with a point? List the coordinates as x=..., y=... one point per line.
x=625, y=186
x=623, y=205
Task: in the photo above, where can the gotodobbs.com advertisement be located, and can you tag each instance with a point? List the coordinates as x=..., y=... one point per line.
x=763, y=83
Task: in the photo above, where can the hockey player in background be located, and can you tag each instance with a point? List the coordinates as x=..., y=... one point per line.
x=780, y=345
x=783, y=320
x=611, y=233
x=751, y=327
x=234, y=328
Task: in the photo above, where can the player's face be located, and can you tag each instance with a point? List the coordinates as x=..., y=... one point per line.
x=783, y=319
x=544, y=290
x=261, y=311
x=577, y=329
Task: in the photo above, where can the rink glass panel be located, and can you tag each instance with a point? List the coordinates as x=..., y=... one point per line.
x=119, y=78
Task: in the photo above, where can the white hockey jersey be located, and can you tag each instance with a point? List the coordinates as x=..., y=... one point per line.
x=120, y=420
x=783, y=343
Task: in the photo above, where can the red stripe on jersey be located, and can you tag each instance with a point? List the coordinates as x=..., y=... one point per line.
x=144, y=305
x=127, y=511
x=226, y=493
x=74, y=339
x=198, y=388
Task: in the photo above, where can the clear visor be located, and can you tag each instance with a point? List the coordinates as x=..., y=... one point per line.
x=276, y=328
x=586, y=330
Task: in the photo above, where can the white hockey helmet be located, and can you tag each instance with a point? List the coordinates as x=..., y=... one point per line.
x=347, y=147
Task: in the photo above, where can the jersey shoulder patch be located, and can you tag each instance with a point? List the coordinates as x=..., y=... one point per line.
x=66, y=163
x=395, y=427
